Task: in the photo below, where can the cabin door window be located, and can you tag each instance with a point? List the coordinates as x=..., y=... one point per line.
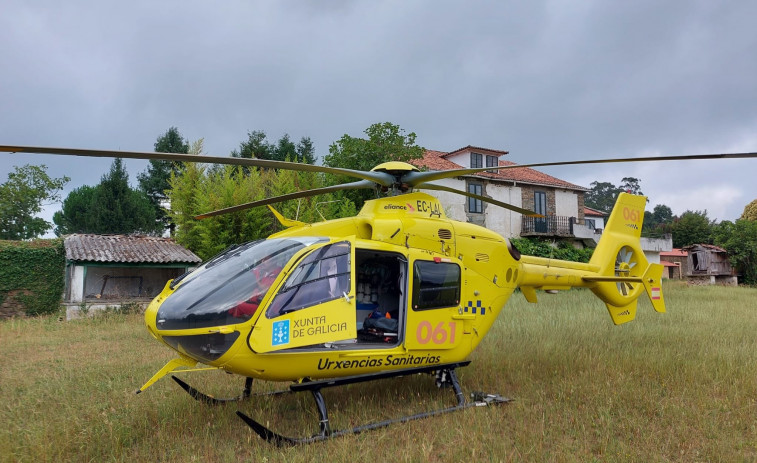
x=435, y=302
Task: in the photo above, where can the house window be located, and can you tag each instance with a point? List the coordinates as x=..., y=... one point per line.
x=540, y=202
x=491, y=161
x=475, y=206
x=476, y=160
x=540, y=207
x=590, y=224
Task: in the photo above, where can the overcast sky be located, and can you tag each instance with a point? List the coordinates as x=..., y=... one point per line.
x=544, y=80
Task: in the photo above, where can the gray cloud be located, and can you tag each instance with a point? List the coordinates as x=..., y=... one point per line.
x=545, y=80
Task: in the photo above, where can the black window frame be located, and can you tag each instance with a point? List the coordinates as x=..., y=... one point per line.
x=540, y=199
x=475, y=206
x=445, y=295
x=492, y=161
x=476, y=160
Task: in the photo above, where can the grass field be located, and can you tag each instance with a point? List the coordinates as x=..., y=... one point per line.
x=680, y=386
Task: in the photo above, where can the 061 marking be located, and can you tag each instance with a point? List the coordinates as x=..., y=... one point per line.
x=631, y=214
x=437, y=335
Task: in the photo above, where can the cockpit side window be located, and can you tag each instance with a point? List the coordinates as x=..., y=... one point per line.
x=323, y=275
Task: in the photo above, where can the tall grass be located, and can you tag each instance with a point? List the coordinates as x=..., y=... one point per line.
x=681, y=386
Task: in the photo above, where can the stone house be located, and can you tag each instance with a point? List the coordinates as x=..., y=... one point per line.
x=561, y=202
x=676, y=263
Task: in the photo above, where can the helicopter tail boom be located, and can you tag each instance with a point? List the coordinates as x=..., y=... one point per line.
x=618, y=272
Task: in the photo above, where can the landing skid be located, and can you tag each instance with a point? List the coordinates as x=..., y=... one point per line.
x=210, y=400
x=446, y=376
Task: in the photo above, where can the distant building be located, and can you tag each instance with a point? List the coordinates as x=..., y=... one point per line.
x=111, y=270
x=566, y=217
x=709, y=264
x=675, y=262
x=560, y=202
x=594, y=219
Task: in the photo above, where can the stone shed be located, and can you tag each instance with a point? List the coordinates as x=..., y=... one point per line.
x=112, y=270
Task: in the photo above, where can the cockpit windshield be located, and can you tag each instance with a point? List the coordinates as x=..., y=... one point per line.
x=228, y=288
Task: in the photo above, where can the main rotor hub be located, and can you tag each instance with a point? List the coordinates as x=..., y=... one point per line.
x=395, y=168
x=398, y=170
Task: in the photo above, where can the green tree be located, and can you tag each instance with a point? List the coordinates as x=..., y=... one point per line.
x=154, y=180
x=740, y=240
x=631, y=185
x=603, y=194
x=256, y=146
x=692, y=227
x=186, y=201
x=21, y=199
x=305, y=151
x=110, y=207
x=658, y=221
x=285, y=150
x=385, y=142
x=197, y=189
x=750, y=211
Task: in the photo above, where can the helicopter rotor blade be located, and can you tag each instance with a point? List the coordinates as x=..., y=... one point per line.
x=382, y=178
x=525, y=212
x=415, y=179
x=361, y=184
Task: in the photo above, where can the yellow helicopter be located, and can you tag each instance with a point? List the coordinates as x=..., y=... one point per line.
x=396, y=290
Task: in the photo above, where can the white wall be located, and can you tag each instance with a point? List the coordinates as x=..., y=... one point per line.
x=461, y=159
x=497, y=219
x=566, y=203
x=453, y=204
x=76, y=283
x=503, y=221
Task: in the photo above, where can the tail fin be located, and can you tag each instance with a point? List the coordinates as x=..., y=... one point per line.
x=624, y=272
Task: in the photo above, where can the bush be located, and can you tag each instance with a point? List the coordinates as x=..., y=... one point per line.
x=544, y=248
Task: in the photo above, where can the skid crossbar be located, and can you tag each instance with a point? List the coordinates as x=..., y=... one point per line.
x=445, y=375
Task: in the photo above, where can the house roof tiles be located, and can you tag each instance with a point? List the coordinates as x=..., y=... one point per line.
x=676, y=252
x=435, y=160
x=126, y=248
x=711, y=247
x=589, y=212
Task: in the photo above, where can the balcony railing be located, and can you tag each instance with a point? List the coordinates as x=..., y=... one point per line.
x=551, y=225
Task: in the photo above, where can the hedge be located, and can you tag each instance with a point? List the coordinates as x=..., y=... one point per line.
x=32, y=276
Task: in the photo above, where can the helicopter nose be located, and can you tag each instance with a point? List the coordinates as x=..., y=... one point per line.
x=204, y=347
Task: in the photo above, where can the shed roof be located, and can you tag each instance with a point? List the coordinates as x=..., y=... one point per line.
x=435, y=160
x=675, y=252
x=710, y=247
x=126, y=248
x=589, y=212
